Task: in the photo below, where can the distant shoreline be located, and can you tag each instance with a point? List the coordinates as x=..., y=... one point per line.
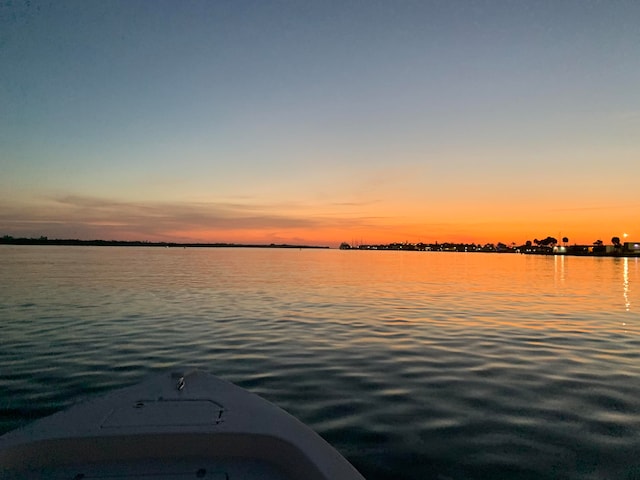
x=139, y=243
x=628, y=249
x=573, y=250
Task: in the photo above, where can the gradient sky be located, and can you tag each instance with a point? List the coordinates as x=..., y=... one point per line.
x=320, y=122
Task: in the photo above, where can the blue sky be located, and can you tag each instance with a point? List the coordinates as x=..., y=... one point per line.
x=296, y=121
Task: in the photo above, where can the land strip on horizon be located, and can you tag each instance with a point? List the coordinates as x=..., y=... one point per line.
x=8, y=240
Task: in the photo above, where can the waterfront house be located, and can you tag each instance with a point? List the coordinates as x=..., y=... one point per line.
x=631, y=247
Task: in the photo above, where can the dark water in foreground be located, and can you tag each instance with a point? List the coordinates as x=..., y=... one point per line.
x=414, y=365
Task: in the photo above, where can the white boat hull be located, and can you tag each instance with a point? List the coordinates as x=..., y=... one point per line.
x=174, y=427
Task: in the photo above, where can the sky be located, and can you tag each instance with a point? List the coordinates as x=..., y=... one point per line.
x=320, y=122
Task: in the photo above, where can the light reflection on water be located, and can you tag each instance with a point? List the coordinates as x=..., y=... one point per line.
x=415, y=365
x=625, y=284
x=558, y=261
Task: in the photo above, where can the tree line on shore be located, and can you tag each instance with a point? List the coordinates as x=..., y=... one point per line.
x=9, y=240
x=546, y=245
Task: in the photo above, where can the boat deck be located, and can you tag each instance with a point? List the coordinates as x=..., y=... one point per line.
x=175, y=426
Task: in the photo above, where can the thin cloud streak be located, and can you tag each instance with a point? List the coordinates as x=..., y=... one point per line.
x=92, y=217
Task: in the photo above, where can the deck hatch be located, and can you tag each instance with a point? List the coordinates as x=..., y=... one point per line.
x=165, y=413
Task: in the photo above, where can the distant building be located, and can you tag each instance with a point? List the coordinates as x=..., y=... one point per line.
x=631, y=247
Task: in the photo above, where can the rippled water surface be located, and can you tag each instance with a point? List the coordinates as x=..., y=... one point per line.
x=414, y=365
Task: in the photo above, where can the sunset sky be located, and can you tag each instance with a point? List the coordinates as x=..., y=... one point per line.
x=320, y=122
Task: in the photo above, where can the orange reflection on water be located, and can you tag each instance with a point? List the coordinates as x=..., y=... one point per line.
x=475, y=290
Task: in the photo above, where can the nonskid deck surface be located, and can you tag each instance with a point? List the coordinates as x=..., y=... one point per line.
x=177, y=426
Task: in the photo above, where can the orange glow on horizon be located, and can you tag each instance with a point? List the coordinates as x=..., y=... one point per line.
x=329, y=236
x=458, y=221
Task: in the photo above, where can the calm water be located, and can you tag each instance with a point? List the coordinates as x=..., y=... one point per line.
x=414, y=365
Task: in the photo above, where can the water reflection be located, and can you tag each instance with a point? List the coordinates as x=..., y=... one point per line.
x=625, y=284
x=559, y=270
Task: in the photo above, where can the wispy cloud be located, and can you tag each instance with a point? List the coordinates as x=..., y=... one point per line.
x=93, y=217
